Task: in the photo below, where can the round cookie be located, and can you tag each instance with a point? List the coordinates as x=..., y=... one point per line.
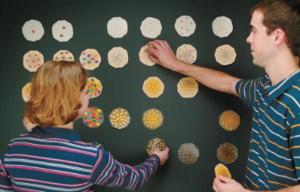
x=26, y=91
x=187, y=87
x=153, y=87
x=154, y=144
x=119, y=118
x=185, y=25
x=62, y=30
x=151, y=27
x=32, y=60
x=222, y=26
x=93, y=117
x=144, y=57
x=229, y=120
x=188, y=153
x=187, y=53
x=94, y=86
x=63, y=55
x=222, y=170
x=33, y=30
x=225, y=55
x=117, y=27
x=153, y=119
x=227, y=153
x=90, y=59
x=117, y=57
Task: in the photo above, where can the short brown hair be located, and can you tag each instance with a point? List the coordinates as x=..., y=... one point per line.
x=55, y=93
x=284, y=14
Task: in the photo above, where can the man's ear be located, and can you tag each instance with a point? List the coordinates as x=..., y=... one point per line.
x=279, y=36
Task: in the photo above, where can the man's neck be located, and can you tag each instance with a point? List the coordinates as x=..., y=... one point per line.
x=281, y=67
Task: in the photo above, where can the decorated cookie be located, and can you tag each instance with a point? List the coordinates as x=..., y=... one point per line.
x=63, y=55
x=33, y=30
x=95, y=87
x=62, y=30
x=93, y=117
x=32, y=60
x=153, y=87
x=90, y=59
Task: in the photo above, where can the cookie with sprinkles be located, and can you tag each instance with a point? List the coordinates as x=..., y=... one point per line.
x=32, y=60
x=95, y=87
x=26, y=91
x=93, y=117
x=90, y=59
x=63, y=55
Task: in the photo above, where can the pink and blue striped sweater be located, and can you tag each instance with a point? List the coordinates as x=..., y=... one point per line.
x=54, y=159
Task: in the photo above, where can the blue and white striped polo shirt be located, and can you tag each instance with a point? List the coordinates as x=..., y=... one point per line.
x=274, y=154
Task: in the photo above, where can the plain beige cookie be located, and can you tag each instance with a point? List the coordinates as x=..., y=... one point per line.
x=144, y=57
x=117, y=57
x=151, y=27
x=225, y=55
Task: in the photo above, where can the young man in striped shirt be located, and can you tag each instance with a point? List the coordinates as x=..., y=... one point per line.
x=274, y=154
x=52, y=157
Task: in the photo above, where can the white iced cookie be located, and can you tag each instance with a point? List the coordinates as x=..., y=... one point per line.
x=117, y=27
x=33, y=30
x=222, y=26
x=26, y=92
x=32, y=60
x=185, y=25
x=63, y=55
x=187, y=87
x=62, y=30
x=151, y=27
x=117, y=57
x=153, y=87
x=119, y=118
x=144, y=57
x=90, y=59
x=187, y=53
x=225, y=55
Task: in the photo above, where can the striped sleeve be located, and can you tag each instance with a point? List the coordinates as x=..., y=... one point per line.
x=5, y=184
x=295, y=143
x=246, y=90
x=111, y=173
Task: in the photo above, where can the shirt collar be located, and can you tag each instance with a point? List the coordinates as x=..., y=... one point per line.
x=55, y=132
x=273, y=92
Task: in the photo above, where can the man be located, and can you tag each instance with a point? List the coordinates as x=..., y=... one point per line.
x=274, y=154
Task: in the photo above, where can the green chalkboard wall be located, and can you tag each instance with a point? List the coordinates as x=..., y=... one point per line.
x=186, y=120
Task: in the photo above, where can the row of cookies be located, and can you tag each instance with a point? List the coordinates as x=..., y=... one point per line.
x=118, y=57
x=117, y=27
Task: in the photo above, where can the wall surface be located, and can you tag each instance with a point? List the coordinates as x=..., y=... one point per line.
x=186, y=120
